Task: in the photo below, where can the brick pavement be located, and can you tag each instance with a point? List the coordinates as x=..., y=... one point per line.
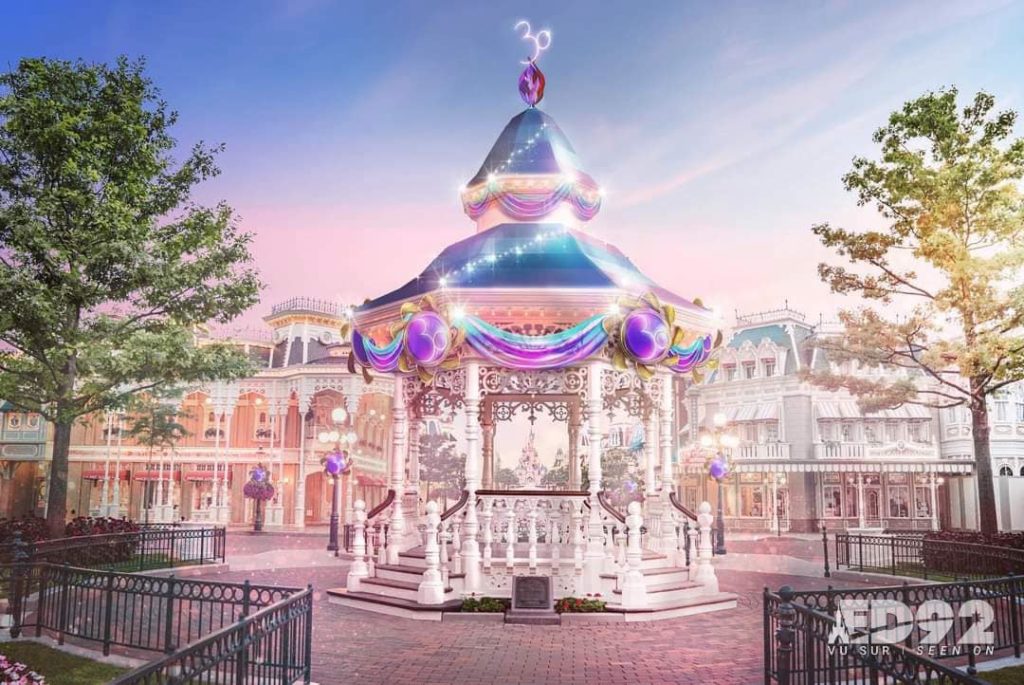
x=356, y=647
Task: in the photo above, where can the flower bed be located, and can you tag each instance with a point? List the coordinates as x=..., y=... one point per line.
x=17, y=673
x=474, y=604
x=940, y=553
x=590, y=604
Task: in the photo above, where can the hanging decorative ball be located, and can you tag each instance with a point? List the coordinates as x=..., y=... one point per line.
x=259, y=474
x=427, y=338
x=645, y=335
x=718, y=469
x=334, y=463
x=531, y=84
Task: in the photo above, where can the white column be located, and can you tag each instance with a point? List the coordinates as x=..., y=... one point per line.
x=400, y=441
x=225, y=494
x=634, y=590
x=935, y=503
x=214, y=514
x=431, y=589
x=170, y=489
x=860, y=498
x=358, y=570
x=668, y=486
x=105, y=493
x=282, y=425
x=593, y=560
x=470, y=548
x=650, y=458
x=300, y=483
x=705, y=574
x=116, y=508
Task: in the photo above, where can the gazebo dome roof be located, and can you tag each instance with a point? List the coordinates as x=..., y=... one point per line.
x=530, y=144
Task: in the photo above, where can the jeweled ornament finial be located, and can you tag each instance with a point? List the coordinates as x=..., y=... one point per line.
x=531, y=81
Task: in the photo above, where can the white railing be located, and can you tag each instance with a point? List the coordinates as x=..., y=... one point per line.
x=768, y=450
x=862, y=450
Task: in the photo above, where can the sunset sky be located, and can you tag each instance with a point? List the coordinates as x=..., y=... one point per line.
x=720, y=130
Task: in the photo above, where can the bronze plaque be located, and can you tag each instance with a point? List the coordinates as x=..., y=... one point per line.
x=531, y=592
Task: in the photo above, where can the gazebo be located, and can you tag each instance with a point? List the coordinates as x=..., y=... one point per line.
x=530, y=315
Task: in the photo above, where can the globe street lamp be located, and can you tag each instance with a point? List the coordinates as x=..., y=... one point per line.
x=336, y=464
x=719, y=440
x=778, y=481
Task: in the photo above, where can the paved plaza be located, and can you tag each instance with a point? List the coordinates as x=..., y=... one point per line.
x=352, y=646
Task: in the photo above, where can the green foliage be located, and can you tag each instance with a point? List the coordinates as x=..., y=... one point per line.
x=155, y=419
x=947, y=188
x=108, y=266
x=60, y=668
x=506, y=477
x=621, y=475
x=440, y=465
x=580, y=605
x=484, y=605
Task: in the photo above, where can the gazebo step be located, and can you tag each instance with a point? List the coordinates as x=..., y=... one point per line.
x=407, y=573
x=394, y=606
x=666, y=593
x=392, y=588
x=685, y=607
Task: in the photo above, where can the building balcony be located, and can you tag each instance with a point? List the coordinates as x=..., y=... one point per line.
x=864, y=450
x=767, y=450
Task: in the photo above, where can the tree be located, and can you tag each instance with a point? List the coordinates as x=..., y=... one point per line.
x=155, y=424
x=440, y=464
x=505, y=478
x=107, y=265
x=947, y=188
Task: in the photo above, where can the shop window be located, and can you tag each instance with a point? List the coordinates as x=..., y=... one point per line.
x=32, y=422
x=890, y=432
x=851, y=501
x=750, y=432
x=752, y=501
x=15, y=421
x=833, y=498
x=771, y=431
x=899, y=501
x=730, y=372
x=769, y=367
x=871, y=434
x=922, y=502
x=263, y=430
x=847, y=432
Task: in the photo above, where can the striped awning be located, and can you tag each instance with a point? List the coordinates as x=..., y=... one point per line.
x=756, y=411
x=848, y=409
x=97, y=474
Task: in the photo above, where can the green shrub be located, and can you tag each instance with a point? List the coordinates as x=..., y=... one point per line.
x=484, y=604
x=580, y=605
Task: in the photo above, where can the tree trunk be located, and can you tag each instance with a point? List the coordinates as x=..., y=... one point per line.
x=988, y=520
x=57, y=496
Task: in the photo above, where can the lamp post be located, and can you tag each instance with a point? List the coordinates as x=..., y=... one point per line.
x=336, y=464
x=718, y=439
x=778, y=480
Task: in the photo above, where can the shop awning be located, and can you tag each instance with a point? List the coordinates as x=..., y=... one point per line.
x=98, y=474
x=369, y=480
x=754, y=411
x=206, y=475
x=156, y=475
x=848, y=409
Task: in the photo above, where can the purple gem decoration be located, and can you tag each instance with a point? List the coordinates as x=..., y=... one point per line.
x=427, y=338
x=258, y=474
x=531, y=84
x=645, y=336
x=334, y=464
x=718, y=469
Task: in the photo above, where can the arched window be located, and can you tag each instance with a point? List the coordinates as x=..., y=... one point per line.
x=1005, y=471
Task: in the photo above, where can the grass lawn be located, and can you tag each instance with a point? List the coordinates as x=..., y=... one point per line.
x=59, y=668
x=1014, y=675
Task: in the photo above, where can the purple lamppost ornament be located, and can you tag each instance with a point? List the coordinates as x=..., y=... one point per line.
x=259, y=490
x=427, y=337
x=335, y=465
x=718, y=469
x=645, y=335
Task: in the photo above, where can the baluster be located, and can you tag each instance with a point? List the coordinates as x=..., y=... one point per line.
x=456, y=539
x=510, y=536
x=691, y=550
x=358, y=569
x=445, y=537
x=531, y=534
x=620, y=546
x=371, y=550
x=382, y=545
x=705, y=571
x=577, y=540
x=486, y=518
x=431, y=589
x=634, y=590
x=553, y=522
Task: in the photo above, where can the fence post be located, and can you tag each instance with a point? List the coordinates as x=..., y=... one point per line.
x=860, y=550
x=142, y=549
x=892, y=553
x=1014, y=603
x=308, y=656
x=785, y=635
x=107, y=611
x=62, y=607
x=44, y=572
x=20, y=558
x=169, y=616
x=242, y=660
x=767, y=641
x=824, y=546
x=171, y=554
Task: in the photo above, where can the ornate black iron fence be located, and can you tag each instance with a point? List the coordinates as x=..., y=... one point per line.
x=911, y=555
x=273, y=645
x=808, y=639
x=149, y=548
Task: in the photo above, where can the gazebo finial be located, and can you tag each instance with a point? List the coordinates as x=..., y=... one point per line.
x=531, y=81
